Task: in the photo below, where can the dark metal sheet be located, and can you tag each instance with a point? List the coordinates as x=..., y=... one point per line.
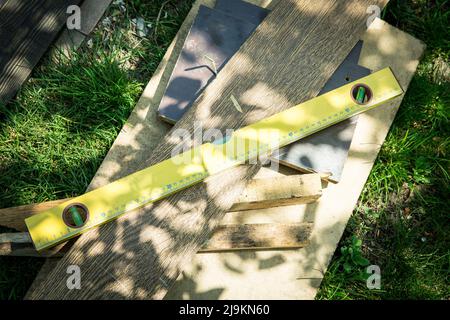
x=327, y=150
x=243, y=10
x=214, y=34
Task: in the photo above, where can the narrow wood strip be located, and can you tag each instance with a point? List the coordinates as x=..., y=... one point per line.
x=259, y=194
x=278, y=192
x=225, y=238
x=259, y=237
x=14, y=217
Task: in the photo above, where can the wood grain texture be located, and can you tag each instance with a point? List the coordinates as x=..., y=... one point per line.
x=225, y=238
x=20, y=245
x=311, y=39
x=258, y=237
x=278, y=192
x=14, y=217
x=277, y=274
x=27, y=28
x=141, y=133
x=214, y=34
x=259, y=194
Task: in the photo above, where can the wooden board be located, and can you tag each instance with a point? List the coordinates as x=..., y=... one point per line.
x=279, y=192
x=259, y=194
x=235, y=237
x=27, y=28
x=14, y=217
x=168, y=234
x=242, y=9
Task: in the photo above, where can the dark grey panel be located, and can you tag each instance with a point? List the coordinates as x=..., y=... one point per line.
x=327, y=150
x=243, y=10
x=214, y=34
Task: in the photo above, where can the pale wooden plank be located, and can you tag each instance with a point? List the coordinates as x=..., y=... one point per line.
x=14, y=218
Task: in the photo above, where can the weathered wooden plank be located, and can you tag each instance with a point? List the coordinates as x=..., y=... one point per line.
x=327, y=150
x=20, y=245
x=312, y=40
x=27, y=28
x=14, y=217
x=258, y=237
x=91, y=13
x=225, y=238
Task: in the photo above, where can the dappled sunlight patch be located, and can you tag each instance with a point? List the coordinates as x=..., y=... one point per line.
x=264, y=98
x=157, y=237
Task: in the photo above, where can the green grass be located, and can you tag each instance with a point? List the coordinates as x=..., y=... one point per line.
x=54, y=136
x=402, y=216
x=56, y=133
